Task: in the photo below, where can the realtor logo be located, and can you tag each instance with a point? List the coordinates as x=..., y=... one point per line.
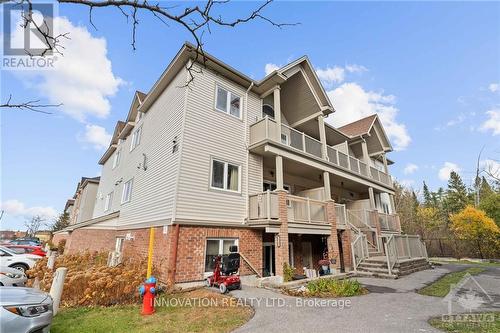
x=23, y=37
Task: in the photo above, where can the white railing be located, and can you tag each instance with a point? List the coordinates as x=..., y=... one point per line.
x=341, y=214
x=362, y=221
x=267, y=128
x=359, y=250
x=264, y=206
x=401, y=247
x=389, y=222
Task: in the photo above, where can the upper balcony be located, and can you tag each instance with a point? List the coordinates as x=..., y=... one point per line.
x=267, y=129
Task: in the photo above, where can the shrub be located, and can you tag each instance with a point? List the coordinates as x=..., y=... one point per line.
x=89, y=282
x=334, y=288
x=287, y=272
x=60, y=246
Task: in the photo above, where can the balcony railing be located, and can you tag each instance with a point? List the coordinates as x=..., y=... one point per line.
x=389, y=222
x=264, y=206
x=267, y=129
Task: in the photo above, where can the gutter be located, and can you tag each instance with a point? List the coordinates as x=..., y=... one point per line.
x=247, y=131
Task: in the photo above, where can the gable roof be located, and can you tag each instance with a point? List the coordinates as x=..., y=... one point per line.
x=359, y=127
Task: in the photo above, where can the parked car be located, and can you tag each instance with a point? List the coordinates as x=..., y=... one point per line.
x=36, y=250
x=26, y=241
x=24, y=310
x=11, y=277
x=22, y=262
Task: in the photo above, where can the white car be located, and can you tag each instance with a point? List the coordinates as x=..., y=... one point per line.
x=20, y=261
x=11, y=277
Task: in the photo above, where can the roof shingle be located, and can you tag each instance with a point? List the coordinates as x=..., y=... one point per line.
x=358, y=127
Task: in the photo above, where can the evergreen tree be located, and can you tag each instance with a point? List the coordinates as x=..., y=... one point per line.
x=61, y=222
x=456, y=195
x=428, y=200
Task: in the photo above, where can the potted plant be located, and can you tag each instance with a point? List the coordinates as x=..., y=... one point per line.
x=325, y=264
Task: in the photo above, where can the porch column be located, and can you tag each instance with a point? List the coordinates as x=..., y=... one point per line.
x=277, y=111
x=366, y=156
x=322, y=136
x=326, y=182
x=371, y=195
x=386, y=168
x=281, y=239
x=346, y=249
x=333, y=242
x=279, y=172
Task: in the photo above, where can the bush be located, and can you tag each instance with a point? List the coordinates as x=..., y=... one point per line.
x=89, y=282
x=287, y=272
x=60, y=246
x=334, y=288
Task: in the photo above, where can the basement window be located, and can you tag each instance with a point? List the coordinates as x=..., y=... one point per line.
x=215, y=247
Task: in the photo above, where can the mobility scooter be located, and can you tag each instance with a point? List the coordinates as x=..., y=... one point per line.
x=225, y=276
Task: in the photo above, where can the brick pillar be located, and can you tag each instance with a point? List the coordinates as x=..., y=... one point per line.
x=173, y=241
x=333, y=242
x=346, y=249
x=281, y=241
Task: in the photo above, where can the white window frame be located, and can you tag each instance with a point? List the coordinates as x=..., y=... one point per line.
x=224, y=180
x=290, y=189
x=136, y=138
x=116, y=158
x=221, y=248
x=228, y=101
x=108, y=201
x=286, y=138
x=124, y=198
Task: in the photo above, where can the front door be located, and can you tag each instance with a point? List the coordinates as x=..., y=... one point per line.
x=307, y=260
x=269, y=267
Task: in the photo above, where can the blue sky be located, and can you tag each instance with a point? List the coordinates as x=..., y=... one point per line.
x=431, y=70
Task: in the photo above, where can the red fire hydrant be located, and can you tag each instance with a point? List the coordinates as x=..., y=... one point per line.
x=148, y=293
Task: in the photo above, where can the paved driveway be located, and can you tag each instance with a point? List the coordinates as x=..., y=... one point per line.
x=391, y=306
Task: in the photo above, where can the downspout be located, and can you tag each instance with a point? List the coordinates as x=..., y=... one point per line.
x=247, y=129
x=173, y=258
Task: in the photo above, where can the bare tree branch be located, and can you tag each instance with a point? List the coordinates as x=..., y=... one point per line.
x=34, y=106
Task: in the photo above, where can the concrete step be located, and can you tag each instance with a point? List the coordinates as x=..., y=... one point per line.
x=378, y=275
x=374, y=265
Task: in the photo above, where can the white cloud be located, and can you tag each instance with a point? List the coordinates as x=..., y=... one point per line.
x=331, y=75
x=491, y=167
x=448, y=167
x=16, y=208
x=493, y=122
x=352, y=102
x=96, y=136
x=410, y=168
x=82, y=79
x=494, y=87
x=356, y=68
x=269, y=68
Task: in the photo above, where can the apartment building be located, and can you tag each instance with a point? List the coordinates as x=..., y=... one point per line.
x=211, y=158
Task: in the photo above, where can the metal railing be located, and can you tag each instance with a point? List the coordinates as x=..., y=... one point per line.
x=401, y=247
x=264, y=206
x=389, y=222
x=359, y=250
x=267, y=128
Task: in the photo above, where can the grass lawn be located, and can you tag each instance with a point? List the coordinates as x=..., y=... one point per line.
x=172, y=318
x=441, y=287
x=483, y=326
x=467, y=262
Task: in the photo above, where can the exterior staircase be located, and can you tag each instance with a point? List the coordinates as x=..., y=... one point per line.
x=376, y=266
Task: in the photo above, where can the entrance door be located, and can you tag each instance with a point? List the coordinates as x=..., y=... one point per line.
x=269, y=267
x=341, y=252
x=307, y=260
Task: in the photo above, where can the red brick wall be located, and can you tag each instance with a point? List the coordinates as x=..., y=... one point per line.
x=281, y=248
x=192, y=243
x=59, y=237
x=190, y=252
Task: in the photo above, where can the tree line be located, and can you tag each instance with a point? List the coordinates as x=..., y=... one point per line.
x=456, y=221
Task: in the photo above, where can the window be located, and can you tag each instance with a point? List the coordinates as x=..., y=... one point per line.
x=127, y=191
x=267, y=110
x=215, y=247
x=136, y=138
x=225, y=176
x=116, y=159
x=228, y=102
x=108, y=201
x=271, y=186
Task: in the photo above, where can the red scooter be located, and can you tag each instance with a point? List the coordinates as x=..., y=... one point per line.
x=226, y=267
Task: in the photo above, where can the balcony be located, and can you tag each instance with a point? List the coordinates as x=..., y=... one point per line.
x=267, y=129
x=264, y=206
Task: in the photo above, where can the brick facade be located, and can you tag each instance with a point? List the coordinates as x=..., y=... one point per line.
x=281, y=241
x=333, y=242
x=190, y=264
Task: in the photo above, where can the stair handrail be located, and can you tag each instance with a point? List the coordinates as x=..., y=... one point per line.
x=358, y=230
x=391, y=253
x=359, y=256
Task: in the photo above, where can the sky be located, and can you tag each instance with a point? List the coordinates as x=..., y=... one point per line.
x=430, y=70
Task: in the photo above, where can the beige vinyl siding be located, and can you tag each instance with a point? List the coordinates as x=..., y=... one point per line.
x=153, y=189
x=87, y=202
x=209, y=133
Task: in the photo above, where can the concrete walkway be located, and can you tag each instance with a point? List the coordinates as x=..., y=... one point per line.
x=391, y=306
